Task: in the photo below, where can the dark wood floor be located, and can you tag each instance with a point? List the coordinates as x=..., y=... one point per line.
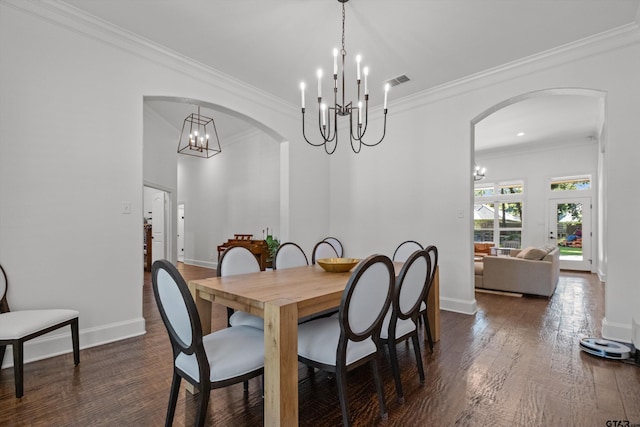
x=515, y=363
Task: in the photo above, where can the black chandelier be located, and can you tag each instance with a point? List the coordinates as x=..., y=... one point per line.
x=196, y=136
x=478, y=173
x=358, y=114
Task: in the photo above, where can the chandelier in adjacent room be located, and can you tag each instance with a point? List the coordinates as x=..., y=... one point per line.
x=358, y=113
x=199, y=136
x=478, y=173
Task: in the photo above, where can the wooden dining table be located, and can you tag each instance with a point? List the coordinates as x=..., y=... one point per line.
x=281, y=297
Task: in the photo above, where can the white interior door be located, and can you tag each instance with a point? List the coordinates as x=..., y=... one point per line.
x=157, y=227
x=570, y=230
x=181, y=233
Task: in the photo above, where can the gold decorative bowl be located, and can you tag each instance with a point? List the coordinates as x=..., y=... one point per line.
x=337, y=265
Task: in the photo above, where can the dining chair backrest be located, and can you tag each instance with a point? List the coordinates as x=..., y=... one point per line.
x=411, y=285
x=289, y=255
x=176, y=306
x=4, y=305
x=432, y=250
x=405, y=249
x=323, y=250
x=336, y=245
x=367, y=298
x=237, y=260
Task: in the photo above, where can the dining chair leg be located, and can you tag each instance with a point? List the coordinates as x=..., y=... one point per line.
x=230, y=311
x=416, y=349
x=3, y=348
x=395, y=369
x=75, y=338
x=341, y=377
x=428, y=329
x=376, y=377
x=203, y=404
x=18, y=367
x=173, y=399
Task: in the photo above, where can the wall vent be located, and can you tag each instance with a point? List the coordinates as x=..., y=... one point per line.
x=398, y=80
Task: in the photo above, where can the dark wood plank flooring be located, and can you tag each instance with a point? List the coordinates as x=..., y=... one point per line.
x=515, y=363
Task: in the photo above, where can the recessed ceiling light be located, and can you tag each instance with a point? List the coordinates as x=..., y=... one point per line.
x=520, y=134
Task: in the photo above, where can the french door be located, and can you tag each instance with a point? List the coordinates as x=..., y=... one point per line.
x=570, y=230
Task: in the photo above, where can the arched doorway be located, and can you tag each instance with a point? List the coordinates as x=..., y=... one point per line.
x=561, y=123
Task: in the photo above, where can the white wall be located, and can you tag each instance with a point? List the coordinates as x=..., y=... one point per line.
x=535, y=167
x=66, y=243
x=65, y=240
x=236, y=191
x=414, y=183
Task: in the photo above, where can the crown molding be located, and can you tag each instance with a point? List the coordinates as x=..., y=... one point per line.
x=67, y=16
x=607, y=41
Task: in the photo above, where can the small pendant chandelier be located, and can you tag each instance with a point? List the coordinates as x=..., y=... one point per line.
x=358, y=114
x=196, y=136
x=478, y=173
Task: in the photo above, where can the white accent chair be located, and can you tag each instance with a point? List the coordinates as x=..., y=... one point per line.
x=16, y=327
x=239, y=260
x=337, y=245
x=217, y=360
x=289, y=255
x=405, y=249
x=401, y=321
x=339, y=344
x=323, y=250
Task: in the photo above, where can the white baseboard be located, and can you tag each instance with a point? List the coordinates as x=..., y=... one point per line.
x=616, y=331
x=59, y=341
x=205, y=264
x=458, y=305
x=635, y=332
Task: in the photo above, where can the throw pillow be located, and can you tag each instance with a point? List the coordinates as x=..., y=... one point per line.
x=532, y=253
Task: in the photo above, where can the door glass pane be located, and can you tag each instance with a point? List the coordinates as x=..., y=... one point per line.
x=483, y=220
x=569, y=230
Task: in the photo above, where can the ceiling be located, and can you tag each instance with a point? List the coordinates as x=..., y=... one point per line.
x=273, y=45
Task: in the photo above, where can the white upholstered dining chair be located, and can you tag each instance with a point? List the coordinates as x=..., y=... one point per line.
x=16, y=327
x=432, y=250
x=341, y=343
x=401, y=321
x=239, y=260
x=405, y=249
x=289, y=255
x=217, y=360
x=337, y=245
x=322, y=250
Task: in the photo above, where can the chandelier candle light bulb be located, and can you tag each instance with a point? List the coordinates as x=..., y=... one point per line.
x=328, y=114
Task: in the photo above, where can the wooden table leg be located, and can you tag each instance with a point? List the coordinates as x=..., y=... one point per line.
x=433, y=302
x=280, y=363
x=204, y=312
x=204, y=309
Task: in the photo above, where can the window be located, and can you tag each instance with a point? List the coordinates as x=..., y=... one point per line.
x=498, y=214
x=571, y=183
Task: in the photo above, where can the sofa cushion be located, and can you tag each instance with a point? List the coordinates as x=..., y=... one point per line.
x=532, y=253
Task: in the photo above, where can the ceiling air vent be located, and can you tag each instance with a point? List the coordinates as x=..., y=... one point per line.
x=397, y=80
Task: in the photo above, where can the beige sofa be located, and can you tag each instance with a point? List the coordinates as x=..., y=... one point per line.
x=537, y=276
